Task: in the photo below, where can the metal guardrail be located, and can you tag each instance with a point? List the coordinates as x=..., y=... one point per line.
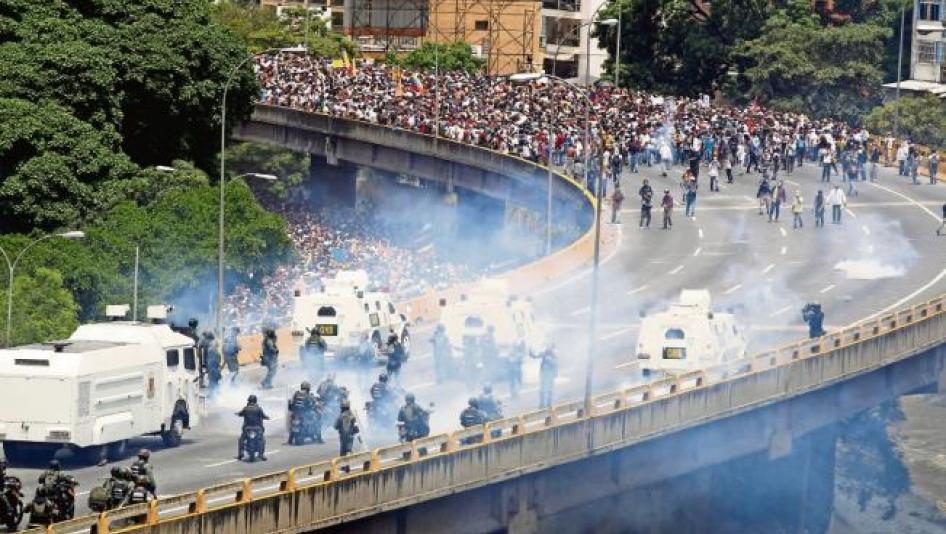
x=782, y=372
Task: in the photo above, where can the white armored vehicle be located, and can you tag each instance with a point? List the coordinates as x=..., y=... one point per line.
x=345, y=312
x=689, y=336
x=489, y=305
x=107, y=383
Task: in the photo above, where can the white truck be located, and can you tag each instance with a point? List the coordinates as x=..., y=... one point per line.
x=345, y=313
x=108, y=382
x=689, y=336
x=490, y=304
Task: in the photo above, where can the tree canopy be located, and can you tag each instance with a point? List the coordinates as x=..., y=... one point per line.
x=922, y=119
x=42, y=308
x=449, y=56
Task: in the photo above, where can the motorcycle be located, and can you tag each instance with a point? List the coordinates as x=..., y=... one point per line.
x=11, y=503
x=303, y=426
x=252, y=443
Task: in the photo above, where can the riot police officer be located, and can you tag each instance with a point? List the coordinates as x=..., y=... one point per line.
x=396, y=356
x=305, y=406
x=231, y=351
x=51, y=476
x=489, y=405
x=443, y=353
x=413, y=421
x=142, y=467
x=270, y=357
x=42, y=510
x=213, y=364
x=312, y=353
x=253, y=417
x=813, y=315
x=380, y=390
x=548, y=370
x=117, y=487
x=328, y=391
x=347, y=426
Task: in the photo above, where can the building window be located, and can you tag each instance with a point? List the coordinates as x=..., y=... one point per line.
x=930, y=10
x=927, y=52
x=481, y=25
x=338, y=19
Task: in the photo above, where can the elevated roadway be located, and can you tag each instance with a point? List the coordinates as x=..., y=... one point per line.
x=766, y=270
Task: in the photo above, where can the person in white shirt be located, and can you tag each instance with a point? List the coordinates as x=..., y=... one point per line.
x=837, y=200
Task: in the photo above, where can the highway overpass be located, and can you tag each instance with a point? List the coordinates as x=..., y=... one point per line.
x=636, y=437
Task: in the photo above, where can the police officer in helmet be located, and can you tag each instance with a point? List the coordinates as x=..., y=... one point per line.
x=347, y=426
x=142, y=467
x=413, y=421
x=489, y=405
x=253, y=417
x=305, y=406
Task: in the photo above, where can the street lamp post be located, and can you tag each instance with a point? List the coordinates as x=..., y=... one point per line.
x=896, y=119
x=11, y=269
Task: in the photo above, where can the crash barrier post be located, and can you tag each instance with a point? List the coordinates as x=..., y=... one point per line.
x=538, y=439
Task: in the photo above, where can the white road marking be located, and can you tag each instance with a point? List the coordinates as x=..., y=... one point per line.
x=626, y=364
x=826, y=289
x=866, y=230
x=733, y=289
x=676, y=269
x=784, y=251
x=700, y=232
x=768, y=268
x=697, y=251
x=780, y=311
x=750, y=199
x=638, y=290
x=929, y=284
x=782, y=229
x=849, y=212
x=234, y=460
x=581, y=311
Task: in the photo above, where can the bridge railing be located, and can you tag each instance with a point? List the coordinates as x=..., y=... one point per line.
x=537, y=439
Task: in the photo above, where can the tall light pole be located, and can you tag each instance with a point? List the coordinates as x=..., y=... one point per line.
x=896, y=119
x=11, y=269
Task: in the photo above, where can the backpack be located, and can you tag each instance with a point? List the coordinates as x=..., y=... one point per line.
x=99, y=498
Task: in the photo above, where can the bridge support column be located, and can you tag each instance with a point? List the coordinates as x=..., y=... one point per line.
x=941, y=378
x=333, y=184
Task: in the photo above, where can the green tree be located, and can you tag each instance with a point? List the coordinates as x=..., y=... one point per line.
x=450, y=56
x=290, y=167
x=261, y=29
x=42, y=308
x=153, y=70
x=798, y=64
x=922, y=119
x=679, y=46
x=55, y=170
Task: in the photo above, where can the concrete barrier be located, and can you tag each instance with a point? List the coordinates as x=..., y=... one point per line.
x=360, y=485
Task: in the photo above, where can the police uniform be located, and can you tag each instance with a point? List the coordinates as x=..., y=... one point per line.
x=305, y=405
x=347, y=426
x=231, y=351
x=548, y=370
x=415, y=421
x=270, y=357
x=42, y=511
x=212, y=362
x=253, y=417
x=442, y=353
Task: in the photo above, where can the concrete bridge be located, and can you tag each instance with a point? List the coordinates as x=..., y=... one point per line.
x=454, y=165
x=528, y=469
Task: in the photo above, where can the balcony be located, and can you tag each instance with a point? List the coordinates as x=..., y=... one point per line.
x=562, y=5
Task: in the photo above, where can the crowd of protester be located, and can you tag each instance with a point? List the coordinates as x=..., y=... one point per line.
x=541, y=120
x=340, y=239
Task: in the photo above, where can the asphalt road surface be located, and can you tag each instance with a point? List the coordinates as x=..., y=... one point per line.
x=884, y=255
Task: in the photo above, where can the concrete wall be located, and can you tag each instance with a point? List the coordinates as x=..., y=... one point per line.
x=718, y=414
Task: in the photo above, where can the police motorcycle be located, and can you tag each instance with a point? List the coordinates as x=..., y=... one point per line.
x=11, y=503
x=252, y=443
x=303, y=424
